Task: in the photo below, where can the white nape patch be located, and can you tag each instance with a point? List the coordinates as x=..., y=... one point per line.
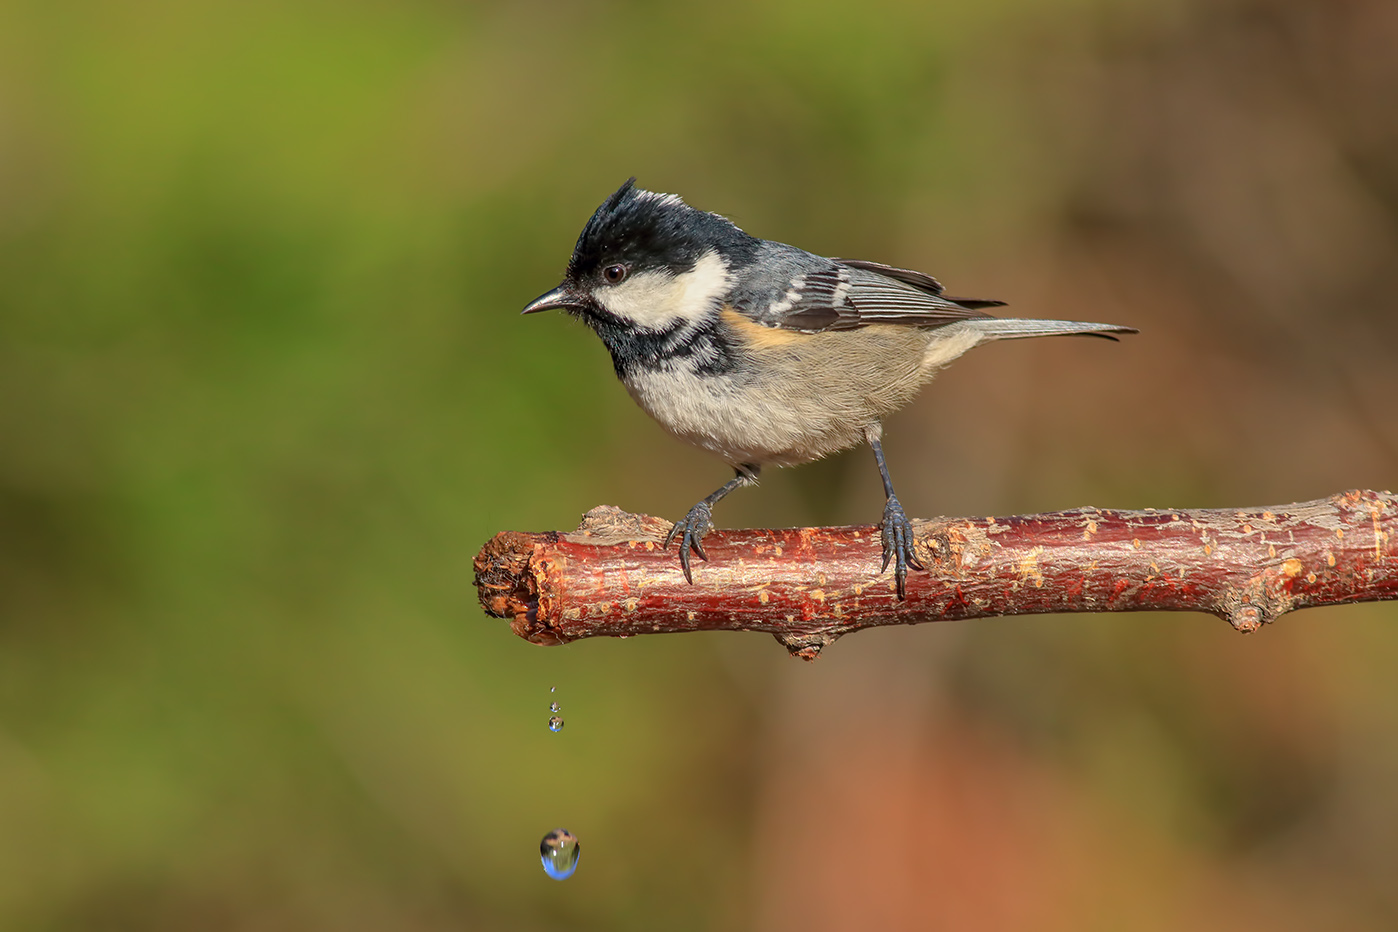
x=657, y=299
x=789, y=299
x=658, y=199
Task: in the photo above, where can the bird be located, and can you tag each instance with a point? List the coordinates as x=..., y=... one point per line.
x=763, y=353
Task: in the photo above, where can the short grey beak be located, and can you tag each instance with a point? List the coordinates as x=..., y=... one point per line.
x=561, y=297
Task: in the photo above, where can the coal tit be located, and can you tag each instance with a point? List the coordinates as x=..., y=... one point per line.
x=763, y=353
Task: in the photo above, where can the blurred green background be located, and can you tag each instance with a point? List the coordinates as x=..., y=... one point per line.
x=264, y=391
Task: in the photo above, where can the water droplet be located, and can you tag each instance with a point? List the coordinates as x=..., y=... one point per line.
x=555, y=707
x=553, y=689
x=555, y=723
x=559, y=852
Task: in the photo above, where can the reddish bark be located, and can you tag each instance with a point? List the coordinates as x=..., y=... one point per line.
x=808, y=586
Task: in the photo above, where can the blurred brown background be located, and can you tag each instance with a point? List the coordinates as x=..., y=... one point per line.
x=264, y=391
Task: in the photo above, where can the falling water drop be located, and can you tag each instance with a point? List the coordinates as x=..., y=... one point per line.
x=559, y=853
x=555, y=707
x=555, y=723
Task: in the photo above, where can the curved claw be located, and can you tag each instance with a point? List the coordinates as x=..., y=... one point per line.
x=691, y=531
x=898, y=544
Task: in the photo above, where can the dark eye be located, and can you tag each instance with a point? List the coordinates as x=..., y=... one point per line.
x=614, y=274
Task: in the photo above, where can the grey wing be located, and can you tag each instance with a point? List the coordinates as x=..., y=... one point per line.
x=846, y=294
x=919, y=280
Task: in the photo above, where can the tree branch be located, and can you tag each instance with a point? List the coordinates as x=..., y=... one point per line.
x=809, y=586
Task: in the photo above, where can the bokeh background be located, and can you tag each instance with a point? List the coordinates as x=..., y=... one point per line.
x=264, y=392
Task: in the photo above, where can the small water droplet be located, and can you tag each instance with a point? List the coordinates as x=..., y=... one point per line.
x=555, y=723
x=559, y=853
x=555, y=707
x=553, y=689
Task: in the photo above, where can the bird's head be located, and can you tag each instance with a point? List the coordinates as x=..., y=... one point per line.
x=649, y=261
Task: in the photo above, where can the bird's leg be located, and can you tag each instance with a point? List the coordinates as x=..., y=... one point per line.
x=897, y=529
x=699, y=521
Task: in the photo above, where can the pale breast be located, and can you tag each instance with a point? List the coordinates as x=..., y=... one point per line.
x=793, y=397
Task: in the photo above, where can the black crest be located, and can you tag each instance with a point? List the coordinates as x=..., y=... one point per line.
x=645, y=230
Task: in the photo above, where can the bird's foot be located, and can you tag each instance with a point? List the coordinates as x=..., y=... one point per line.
x=898, y=544
x=691, y=533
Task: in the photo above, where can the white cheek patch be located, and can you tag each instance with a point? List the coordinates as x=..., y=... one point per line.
x=655, y=300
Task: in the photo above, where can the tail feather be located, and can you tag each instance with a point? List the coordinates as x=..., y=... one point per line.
x=1011, y=328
